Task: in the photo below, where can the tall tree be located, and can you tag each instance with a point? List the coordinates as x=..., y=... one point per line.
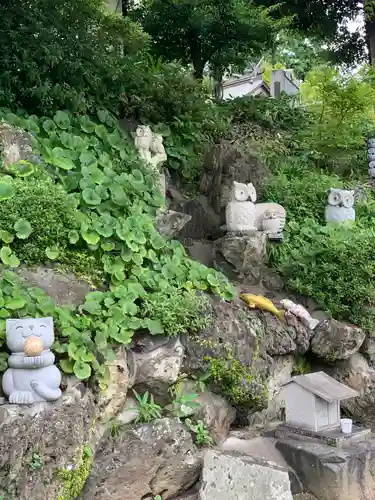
x=219, y=33
x=327, y=20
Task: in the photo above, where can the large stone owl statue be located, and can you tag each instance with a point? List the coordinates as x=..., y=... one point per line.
x=243, y=215
x=240, y=213
x=340, y=206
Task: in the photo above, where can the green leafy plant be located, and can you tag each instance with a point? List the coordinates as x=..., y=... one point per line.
x=35, y=462
x=183, y=404
x=146, y=408
x=178, y=310
x=74, y=479
x=77, y=74
x=39, y=216
x=103, y=202
x=235, y=381
x=200, y=431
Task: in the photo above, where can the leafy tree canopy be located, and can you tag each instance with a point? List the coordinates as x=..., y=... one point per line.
x=220, y=33
x=63, y=54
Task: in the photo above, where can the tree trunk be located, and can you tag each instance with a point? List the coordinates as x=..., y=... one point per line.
x=198, y=70
x=369, y=11
x=125, y=7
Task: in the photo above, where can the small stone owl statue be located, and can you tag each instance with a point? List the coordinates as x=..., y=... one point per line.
x=240, y=213
x=142, y=141
x=340, y=206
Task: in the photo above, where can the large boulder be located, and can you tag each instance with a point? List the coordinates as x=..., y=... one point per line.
x=248, y=336
x=332, y=474
x=213, y=410
x=15, y=144
x=169, y=223
x=64, y=288
x=157, y=367
x=247, y=257
x=333, y=340
x=241, y=477
x=360, y=376
x=151, y=459
x=113, y=398
x=45, y=449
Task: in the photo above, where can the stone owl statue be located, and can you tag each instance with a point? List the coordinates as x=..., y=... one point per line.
x=271, y=219
x=240, y=213
x=340, y=206
x=142, y=141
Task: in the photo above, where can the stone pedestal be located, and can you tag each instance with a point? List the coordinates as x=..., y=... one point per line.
x=330, y=464
x=247, y=254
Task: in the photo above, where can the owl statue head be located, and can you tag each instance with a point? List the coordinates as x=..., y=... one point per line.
x=143, y=131
x=340, y=198
x=242, y=192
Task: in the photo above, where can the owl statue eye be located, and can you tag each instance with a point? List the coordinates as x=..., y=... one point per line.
x=242, y=192
x=347, y=201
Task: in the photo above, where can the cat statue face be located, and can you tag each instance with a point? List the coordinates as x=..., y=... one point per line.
x=340, y=198
x=243, y=192
x=19, y=330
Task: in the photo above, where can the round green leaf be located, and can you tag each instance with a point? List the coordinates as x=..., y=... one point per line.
x=67, y=366
x=6, y=236
x=49, y=126
x=8, y=257
x=23, y=229
x=155, y=327
x=91, y=237
x=101, y=132
x=62, y=120
x=52, y=252
x=15, y=303
x=73, y=236
x=6, y=191
x=87, y=125
x=22, y=168
x=91, y=197
x=82, y=370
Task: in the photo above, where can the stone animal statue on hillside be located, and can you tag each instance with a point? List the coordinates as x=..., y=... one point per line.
x=340, y=206
x=243, y=215
x=150, y=146
x=32, y=375
x=151, y=150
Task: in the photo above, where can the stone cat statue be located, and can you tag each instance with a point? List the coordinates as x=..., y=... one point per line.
x=243, y=214
x=32, y=375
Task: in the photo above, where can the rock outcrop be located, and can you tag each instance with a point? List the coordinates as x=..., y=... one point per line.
x=332, y=474
x=46, y=449
x=241, y=477
x=148, y=460
x=334, y=340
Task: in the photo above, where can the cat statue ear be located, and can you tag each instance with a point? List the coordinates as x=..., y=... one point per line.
x=252, y=192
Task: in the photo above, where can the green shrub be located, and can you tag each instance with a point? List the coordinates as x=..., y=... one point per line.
x=342, y=109
x=63, y=54
x=300, y=189
x=236, y=382
x=179, y=107
x=49, y=211
x=179, y=311
x=333, y=265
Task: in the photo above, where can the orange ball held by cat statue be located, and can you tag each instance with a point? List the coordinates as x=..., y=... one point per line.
x=33, y=347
